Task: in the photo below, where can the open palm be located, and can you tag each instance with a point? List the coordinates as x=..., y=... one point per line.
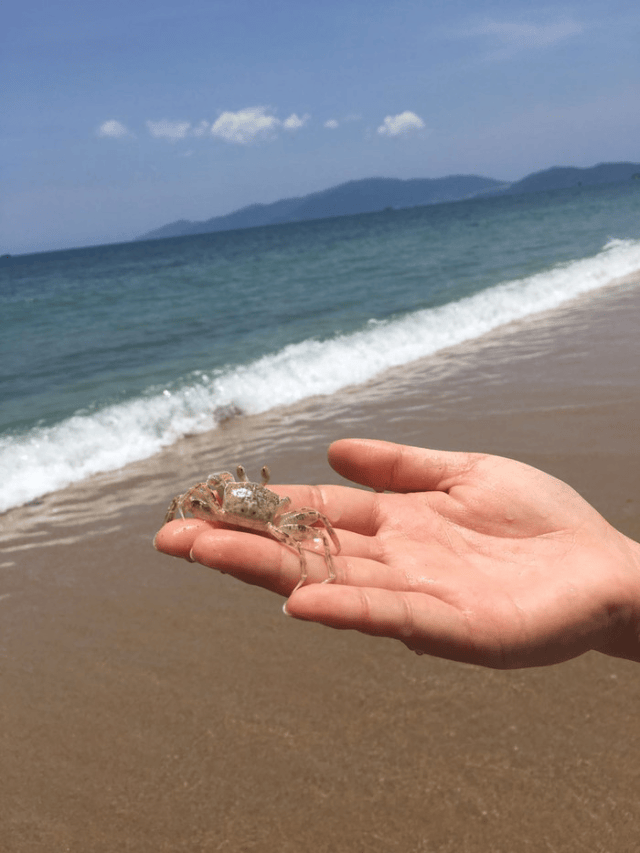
x=464, y=556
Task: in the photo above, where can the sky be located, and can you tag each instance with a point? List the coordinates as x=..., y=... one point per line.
x=121, y=117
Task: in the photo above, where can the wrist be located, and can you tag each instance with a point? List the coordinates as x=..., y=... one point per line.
x=625, y=640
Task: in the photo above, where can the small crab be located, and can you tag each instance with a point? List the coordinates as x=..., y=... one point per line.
x=253, y=506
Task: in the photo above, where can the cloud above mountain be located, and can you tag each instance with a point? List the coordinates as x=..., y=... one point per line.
x=401, y=124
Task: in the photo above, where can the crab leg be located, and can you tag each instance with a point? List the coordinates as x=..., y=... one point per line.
x=292, y=534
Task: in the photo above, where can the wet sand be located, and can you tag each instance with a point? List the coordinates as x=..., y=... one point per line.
x=149, y=705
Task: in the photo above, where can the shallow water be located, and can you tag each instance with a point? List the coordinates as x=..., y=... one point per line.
x=110, y=354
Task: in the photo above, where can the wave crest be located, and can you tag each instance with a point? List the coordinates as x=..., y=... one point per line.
x=48, y=458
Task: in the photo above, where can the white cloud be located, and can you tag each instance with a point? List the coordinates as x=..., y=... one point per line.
x=523, y=35
x=506, y=39
x=245, y=126
x=171, y=130
x=241, y=127
x=333, y=123
x=402, y=123
x=113, y=129
x=295, y=123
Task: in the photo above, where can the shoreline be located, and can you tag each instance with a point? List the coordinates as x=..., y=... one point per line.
x=425, y=401
x=46, y=457
x=150, y=705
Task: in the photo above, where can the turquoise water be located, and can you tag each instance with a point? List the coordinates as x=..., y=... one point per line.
x=112, y=352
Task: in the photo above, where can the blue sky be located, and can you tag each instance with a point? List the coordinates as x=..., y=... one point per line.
x=122, y=116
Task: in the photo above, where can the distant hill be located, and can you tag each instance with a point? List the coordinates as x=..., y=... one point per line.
x=563, y=177
x=364, y=196
x=374, y=194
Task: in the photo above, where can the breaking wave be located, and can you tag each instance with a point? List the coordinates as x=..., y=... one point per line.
x=48, y=458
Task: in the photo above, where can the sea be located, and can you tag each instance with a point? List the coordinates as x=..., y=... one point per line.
x=111, y=353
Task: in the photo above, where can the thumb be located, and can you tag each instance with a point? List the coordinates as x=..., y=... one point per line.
x=386, y=466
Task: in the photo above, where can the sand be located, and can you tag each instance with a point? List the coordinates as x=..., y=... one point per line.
x=149, y=705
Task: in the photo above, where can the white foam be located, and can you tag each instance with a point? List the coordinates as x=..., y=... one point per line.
x=50, y=458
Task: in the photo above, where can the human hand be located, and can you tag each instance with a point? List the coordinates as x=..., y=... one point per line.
x=470, y=557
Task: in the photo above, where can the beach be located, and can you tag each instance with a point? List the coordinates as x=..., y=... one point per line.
x=152, y=705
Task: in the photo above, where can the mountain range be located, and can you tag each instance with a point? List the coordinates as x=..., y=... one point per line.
x=369, y=195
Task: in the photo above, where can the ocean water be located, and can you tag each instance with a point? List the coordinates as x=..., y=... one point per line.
x=110, y=353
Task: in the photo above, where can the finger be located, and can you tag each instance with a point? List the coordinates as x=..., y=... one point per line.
x=265, y=562
x=176, y=538
x=345, y=507
x=257, y=559
x=424, y=624
x=383, y=465
x=260, y=560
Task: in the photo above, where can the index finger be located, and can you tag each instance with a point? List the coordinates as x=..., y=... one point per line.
x=346, y=507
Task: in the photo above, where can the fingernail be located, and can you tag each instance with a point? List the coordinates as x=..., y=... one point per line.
x=285, y=611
